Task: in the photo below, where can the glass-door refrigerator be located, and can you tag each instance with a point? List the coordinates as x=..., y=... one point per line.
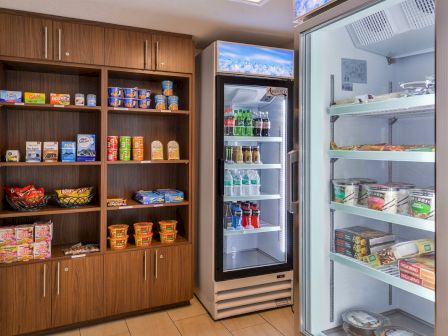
x=245, y=231
x=372, y=168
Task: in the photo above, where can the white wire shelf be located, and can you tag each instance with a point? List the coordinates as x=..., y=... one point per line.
x=264, y=227
x=383, y=156
x=252, y=139
x=253, y=166
x=262, y=197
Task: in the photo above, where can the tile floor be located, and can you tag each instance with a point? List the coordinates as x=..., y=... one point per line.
x=193, y=320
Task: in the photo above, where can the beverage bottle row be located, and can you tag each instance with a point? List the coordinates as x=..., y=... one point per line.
x=241, y=183
x=246, y=123
x=241, y=216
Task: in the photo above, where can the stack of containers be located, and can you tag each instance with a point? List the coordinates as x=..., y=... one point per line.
x=125, y=148
x=167, y=95
x=112, y=148
x=118, y=236
x=143, y=234
x=168, y=231
x=129, y=97
x=137, y=148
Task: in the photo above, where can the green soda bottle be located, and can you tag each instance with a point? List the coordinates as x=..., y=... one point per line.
x=248, y=123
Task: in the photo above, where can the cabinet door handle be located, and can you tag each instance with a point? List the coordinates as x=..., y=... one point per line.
x=145, y=267
x=146, y=55
x=58, y=279
x=157, y=54
x=46, y=42
x=59, y=44
x=157, y=264
x=45, y=280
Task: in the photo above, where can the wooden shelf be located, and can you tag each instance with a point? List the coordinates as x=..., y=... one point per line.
x=148, y=162
x=49, y=210
x=126, y=110
x=135, y=205
x=48, y=164
x=155, y=244
x=73, y=108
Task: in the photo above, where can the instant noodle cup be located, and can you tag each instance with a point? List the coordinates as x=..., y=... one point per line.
x=112, y=155
x=114, y=101
x=143, y=94
x=118, y=243
x=160, y=101
x=137, y=154
x=138, y=142
x=129, y=102
x=125, y=142
x=382, y=198
x=112, y=142
x=114, y=91
x=168, y=237
x=143, y=228
x=118, y=230
x=144, y=103
x=173, y=103
x=124, y=154
x=130, y=93
x=346, y=191
x=143, y=240
x=422, y=203
x=167, y=88
x=167, y=225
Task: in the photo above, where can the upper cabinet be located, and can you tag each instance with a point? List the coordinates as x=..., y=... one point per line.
x=78, y=43
x=172, y=53
x=128, y=49
x=25, y=36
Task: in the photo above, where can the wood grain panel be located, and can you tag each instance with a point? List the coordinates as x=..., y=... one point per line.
x=173, y=54
x=124, y=48
x=7, y=280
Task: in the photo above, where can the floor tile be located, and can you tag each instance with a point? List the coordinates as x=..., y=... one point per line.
x=282, y=319
x=236, y=323
x=157, y=324
x=74, y=332
x=116, y=328
x=194, y=309
x=258, y=330
x=201, y=325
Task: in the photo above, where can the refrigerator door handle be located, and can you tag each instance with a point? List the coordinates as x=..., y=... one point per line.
x=220, y=177
x=292, y=158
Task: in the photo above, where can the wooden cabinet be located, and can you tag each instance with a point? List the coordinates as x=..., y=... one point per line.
x=128, y=279
x=172, y=53
x=7, y=295
x=25, y=36
x=77, y=290
x=171, y=275
x=78, y=43
x=128, y=49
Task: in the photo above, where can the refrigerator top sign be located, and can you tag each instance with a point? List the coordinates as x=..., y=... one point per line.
x=303, y=7
x=244, y=59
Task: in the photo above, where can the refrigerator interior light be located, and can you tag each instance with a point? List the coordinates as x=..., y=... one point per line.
x=252, y=2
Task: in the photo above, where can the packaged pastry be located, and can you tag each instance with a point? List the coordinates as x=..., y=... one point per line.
x=7, y=236
x=50, y=151
x=24, y=234
x=43, y=231
x=42, y=250
x=396, y=331
x=171, y=195
x=25, y=252
x=361, y=322
x=422, y=267
x=12, y=155
x=382, y=198
x=34, y=98
x=78, y=192
x=346, y=191
x=156, y=150
x=149, y=197
x=422, y=203
x=81, y=248
x=173, y=150
x=33, y=151
x=8, y=254
x=59, y=99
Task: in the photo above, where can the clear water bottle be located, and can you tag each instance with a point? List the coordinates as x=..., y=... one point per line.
x=255, y=184
x=228, y=183
x=237, y=183
x=245, y=184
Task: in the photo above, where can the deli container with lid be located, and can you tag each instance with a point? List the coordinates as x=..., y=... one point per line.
x=345, y=191
x=362, y=193
x=360, y=322
x=403, y=196
x=382, y=197
x=422, y=203
x=396, y=331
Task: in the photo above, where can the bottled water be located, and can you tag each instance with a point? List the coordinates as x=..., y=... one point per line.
x=245, y=184
x=255, y=184
x=228, y=183
x=237, y=183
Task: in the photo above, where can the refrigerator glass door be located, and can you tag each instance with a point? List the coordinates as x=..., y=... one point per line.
x=253, y=227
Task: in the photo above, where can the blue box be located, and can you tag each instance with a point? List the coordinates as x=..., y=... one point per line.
x=172, y=195
x=10, y=96
x=86, y=149
x=149, y=197
x=68, y=151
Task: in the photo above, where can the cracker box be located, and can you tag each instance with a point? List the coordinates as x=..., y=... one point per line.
x=33, y=151
x=34, y=98
x=25, y=252
x=422, y=267
x=43, y=231
x=24, y=234
x=7, y=236
x=59, y=99
x=12, y=155
x=171, y=195
x=68, y=151
x=424, y=283
x=50, y=151
x=10, y=96
x=86, y=147
x=42, y=250
x=8, y=254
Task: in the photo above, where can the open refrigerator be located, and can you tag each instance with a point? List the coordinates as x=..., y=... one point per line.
x=369, y=90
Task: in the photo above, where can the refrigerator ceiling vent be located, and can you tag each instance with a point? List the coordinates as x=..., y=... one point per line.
x=401, y=30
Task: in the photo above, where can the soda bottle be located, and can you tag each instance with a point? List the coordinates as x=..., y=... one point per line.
x=248, y=123
x=266, y=125
x=236, y=183
x=258, y=124
x=228, y=216
x=228, y=183
x=231, y=124
x=245, y=184
x=240, y=123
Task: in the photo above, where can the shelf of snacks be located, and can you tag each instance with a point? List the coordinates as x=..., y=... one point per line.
x=252, y=139
x=125, y=110
x=383, y=156
x=394, y=106
x=264, y=227
x=131, y=204
x=389, y=274
x=148, y=162
x=49, y=107
x=412, y=222
x=155, y=243
x=252, y=166
x=49, y=164
x=49, y=210
x=262, y=197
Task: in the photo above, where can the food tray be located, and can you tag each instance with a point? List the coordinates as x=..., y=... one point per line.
x=74, y=202
x=25, y=206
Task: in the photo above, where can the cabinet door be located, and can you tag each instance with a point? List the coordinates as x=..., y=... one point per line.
x=173, y=53
x=25, y=36
x=78, y=43
x=127, y=282
x=77, y=290
x=32, y=299
x=127, y=49
x=171, y=275
x=7, y=288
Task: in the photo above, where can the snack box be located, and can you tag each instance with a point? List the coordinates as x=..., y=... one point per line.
x=50, y=151
x=43, y=231
x=424, y=283
x=10, y=96
x=358, y=252
x=149, y=197
x=364, y=236
x=59, y=99
x=422, y=267
x=8, y=254
x=24, y=234
x=25, y=252
x=115, y=202
x=172, y=195
x=33, y=151
x=68, y=151
x=86, y=147
x=12, y=155
x=34, y=98
x=7, y=236
x=42, y=250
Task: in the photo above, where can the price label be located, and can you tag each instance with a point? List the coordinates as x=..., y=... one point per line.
x=78, y=256
x=121, y=108
x=58, y=105
x=148, y=161
x=21, y=104
x=126, y=207
x=165, y=110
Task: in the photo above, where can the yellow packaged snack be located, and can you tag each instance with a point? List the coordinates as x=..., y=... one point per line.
x=156, y=150
x=173, y=150
x=79, y=192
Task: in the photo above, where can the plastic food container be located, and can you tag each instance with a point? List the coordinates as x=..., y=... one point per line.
x=346, y=191
x=396, y=331
x=160, y=101
x=143, y=240
x=422, y=203
x=118, y=230
x=144, y=103
x=167, y=88
x=359, y=322
x=173, y=103
x=118, y=243
x=129, y=102
x=114, y=91
x=143, y=228
x=168, y=225
x=114, y=101
x=130, y=93
x=363, y=183
x=143, y=93
x=168, y=237
x=382, y=198
x=403, y=196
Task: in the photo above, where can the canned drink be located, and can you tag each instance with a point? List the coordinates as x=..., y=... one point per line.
x=137, y=154
x=125, y=142
x=91, y=100
x=173, y=103
x=167, y=88
x=79, y=99
x=124, y=154
x=137, y=142
x=112, y=142
x=112, y=154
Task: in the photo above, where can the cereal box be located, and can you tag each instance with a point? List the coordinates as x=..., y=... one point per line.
x=24, y=252
x=8, y=254
x=68, y=151
x=10, y=96
x=42, y=250
x=59, y=99
x=86, y=147
x=43, y=231
x=24, y=234
x=7, y=236
x=34, y=98
x=33, y=151
x=12, y=155
x=50, y=151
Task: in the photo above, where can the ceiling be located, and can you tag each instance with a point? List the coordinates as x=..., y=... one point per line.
x=207, y=20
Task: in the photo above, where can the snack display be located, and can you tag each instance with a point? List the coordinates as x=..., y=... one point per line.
x=72, y=198
x=359, y=322
x=149, y=197
x=382, y=198
x=171, y=195
x=50, y=151
x=34, y=98
x=33, y=151
x=86, y=149
x=11, y=96
x=12, y=155
x=28, y=198
x=396, y=331
x=346, y=191
x=383, y=147
x=118, y=230
x=68, y=151
x=115, y=202
x=156, y=150
x=81, y=248
x=422, y=203
x=59, y=99
x=129, y=97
